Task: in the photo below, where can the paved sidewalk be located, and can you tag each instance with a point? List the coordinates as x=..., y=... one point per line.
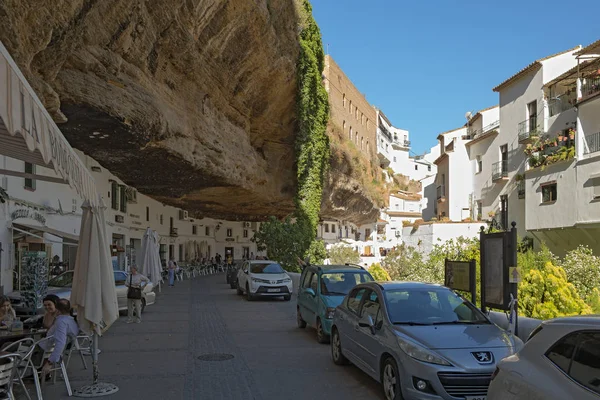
x=158, y=359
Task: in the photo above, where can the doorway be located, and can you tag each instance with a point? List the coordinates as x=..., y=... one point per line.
x=229, y=250
x=246, y=252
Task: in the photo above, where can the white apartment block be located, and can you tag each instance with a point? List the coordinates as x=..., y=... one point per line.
x=523, y=119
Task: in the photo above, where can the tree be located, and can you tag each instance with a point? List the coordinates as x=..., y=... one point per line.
x=546, y=293
x=342, y=254
x=378, y=273
x=405, y=263
x=583, y=270
x=317, y=252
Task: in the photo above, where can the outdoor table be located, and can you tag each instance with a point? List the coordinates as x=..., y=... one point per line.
x=10, y=336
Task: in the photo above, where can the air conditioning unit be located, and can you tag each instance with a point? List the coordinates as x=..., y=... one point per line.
x=246, y=224
x=183, y=215
x=131, y=195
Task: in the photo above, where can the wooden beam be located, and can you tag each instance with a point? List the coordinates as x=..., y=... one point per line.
x=31, y=176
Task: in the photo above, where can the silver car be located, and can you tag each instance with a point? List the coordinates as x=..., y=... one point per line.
x=561, y=360
x=421, y=341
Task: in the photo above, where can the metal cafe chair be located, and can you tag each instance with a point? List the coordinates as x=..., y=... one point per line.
x=24, y=348
x=58, y=367
x=8, y=369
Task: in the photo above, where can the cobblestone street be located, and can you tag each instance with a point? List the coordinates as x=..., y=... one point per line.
x=158, y=359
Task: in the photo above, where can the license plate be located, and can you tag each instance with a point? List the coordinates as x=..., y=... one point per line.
x=475, y=397
x=273, y=290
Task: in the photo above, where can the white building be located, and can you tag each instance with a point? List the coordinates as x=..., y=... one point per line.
x=425, y=236
x=454, y=183
x=524, y=119
x=562, y=196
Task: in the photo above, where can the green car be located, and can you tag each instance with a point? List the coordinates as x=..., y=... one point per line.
x=322, y=289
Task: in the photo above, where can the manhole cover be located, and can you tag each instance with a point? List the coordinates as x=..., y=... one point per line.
x=215, y=357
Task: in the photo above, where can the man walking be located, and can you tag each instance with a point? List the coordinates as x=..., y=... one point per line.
x=138, y=281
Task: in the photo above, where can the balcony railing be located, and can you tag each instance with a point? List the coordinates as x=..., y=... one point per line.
x=500, y=170
x=592, y=143
x=490, y=127
x=521, y=189
x=441, y=192
x=562, y=103
x=528, y=129
x=385, y=132
x=590, y=87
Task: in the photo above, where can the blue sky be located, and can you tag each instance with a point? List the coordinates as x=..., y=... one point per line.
x=426, y=63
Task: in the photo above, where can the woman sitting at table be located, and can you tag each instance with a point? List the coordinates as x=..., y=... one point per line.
x=51, y=311
x=7, y=313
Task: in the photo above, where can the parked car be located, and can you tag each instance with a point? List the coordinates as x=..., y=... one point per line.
x=322, y=289
x=263, y=278
x=561, y=360
x=420, y=341
x=61, y=286
x=231, y=275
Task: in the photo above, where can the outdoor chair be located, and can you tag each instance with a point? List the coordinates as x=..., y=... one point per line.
x=24, y=348
x=58, y=367
x=8, y=370
x=83, y=345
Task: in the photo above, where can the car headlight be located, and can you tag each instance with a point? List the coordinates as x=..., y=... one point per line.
x=287, y=280
x=258, y=280
x=420, y=353
x=330, y=312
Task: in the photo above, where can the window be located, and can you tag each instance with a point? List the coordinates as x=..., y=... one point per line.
x=478, y=165
x=394, y=159
x=371, y=306
x=344, y=100
x=416, y=167
x=171, y=222
x=326, y=228
x=29, y=183
x=504, y=211
x=161, y=219
x=350, y=133
x=147, y=213
x=479, y=209
x=429, y=168
x=362, y=141
x=123, y=198
x=577, y=355
x=350, y=108
x=367, y=233
x=229, y=232
x=245, y=233
x=356, y=138
x=549, y=193
x=354, y=299
x=313, y=282
x=332, y=228
x=356, y=112
x=207, y=231
x=532, y=116
x=307, y=278
x=596, y=183
x=362, y=118
x=194, y=229
x=114, y=195
x=344, y=125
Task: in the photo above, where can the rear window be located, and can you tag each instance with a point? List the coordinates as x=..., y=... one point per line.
x=266, y=268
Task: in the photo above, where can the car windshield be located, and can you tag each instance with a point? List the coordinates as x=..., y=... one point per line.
x=62, y=280
x=340, y=283
x=430, y=306
x=266, y=268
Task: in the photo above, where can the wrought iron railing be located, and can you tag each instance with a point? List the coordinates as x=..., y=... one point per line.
x=521, y=189
x=500, y=170
x=528, y=129
x=590, y=87
x=562, y=103
x=385, y=132
x=592, y=143
x=441, y=192
x=492, y=126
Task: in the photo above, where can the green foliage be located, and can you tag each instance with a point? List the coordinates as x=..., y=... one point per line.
x=405, y=263
x=378, y=273
x=536, y=259
x=341, y=254
x=285, y=241
x=593, y=300
x=317, y=252
x=583, y=270
x=545, y=293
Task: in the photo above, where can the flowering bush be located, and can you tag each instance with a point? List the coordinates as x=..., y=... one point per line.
x=583, y=270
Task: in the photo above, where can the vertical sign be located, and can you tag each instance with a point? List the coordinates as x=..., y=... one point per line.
x=33, y=278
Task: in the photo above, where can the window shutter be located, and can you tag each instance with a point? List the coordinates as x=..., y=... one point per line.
x=123, y=202
x=114, y=196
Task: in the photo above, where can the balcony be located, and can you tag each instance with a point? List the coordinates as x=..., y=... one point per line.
x=441, y=193
x=500, y=170
x=591, y=87
x=549, y=151
x=592, y=143
x=528, y=130
x=173, y=232
x=563, y=103
x=401, y=142
x=521, y=188
x=385, y=132
x=491, y=127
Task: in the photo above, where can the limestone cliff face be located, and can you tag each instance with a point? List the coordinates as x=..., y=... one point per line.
x=197, y=97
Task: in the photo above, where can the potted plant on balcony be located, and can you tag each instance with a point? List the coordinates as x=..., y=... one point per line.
x=571, y=134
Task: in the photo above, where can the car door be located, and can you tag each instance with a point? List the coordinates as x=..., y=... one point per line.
x=312, y=301
x=368, y=344
x=242, y=276
x=302, y=295
x=120, y=278
x=350, y=318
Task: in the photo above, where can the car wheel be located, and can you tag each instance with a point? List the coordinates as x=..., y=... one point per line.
x=249, y=296
x=321, y=336
x=288, y=297
x=336, y=348
x=143, y=305
x=239, y=291
x=301, y=323
x=390, y=380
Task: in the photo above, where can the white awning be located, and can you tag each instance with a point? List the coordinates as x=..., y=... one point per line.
x=28, y=133
x=38, y=231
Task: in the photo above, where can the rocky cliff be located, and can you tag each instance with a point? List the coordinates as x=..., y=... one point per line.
x=190, y=101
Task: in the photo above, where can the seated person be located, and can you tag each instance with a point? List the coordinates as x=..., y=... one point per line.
x=7, y=313
x=64, y=327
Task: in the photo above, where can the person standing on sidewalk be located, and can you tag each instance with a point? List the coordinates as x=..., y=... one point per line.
x=171, y=267
x=136, y=280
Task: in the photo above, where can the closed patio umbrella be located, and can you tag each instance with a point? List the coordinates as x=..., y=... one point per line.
x=93, y=293
x=150, y=265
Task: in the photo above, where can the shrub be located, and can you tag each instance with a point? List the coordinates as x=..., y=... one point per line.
x=378, y=273
x=342, y=254
x=583, y=270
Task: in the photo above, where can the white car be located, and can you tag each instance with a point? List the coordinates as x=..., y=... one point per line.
x=561, y=360
x=263, y=278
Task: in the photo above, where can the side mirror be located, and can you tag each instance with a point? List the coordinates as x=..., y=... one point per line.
x=367, y=322
x=310, y=292
x=246, y=271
